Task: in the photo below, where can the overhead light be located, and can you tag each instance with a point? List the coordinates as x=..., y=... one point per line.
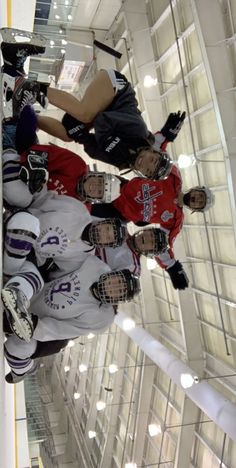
x=90, y=336
x=69, y=17
x=148, y=81
x=66, y=368
x=55, y=6
x=113, y=368
x=151, y=263
x=154, y=429
x=92, y=434
x=128, y=324
x=83, y=368
x=52, y=43
x=77, y=395
x=57, y=16
x=64, y=42
x=100, y=405
x=131, y=465
x=60, y=31
x=63, y=51
x=70, y=344
x=186, y=160
x=187, y=380
x=66, y=2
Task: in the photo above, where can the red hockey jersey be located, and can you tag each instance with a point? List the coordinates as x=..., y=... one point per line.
x=149, y=201
x=64, y=167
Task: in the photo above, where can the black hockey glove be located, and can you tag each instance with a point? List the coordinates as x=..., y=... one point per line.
x=75, y=129
x=34, y=173
x=173, y=125
x=178, y=276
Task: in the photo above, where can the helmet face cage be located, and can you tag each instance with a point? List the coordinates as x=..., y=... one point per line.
x=209, y=202
x=163, y=168
x=111, y=187
x=119, y=232
x=159, y=245
x=121, y=290
x=81, y=190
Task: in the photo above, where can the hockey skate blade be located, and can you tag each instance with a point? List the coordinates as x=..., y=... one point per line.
x=9, y=302
x=14, y=36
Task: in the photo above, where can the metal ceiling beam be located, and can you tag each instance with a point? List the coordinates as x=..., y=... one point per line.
x=221, y=76
x=214, y=404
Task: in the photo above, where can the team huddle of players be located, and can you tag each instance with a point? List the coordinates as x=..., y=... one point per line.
x=69, y=259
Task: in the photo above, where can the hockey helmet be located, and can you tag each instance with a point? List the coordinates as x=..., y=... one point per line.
x=157, y=170
x=117, y=286
x=109, y=232
x=149, y=242
x=209, y=199
x=103, y=190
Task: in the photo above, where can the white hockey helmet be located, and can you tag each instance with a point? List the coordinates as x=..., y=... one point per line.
x=209, y=198
x=122, y=287
x=109, y=188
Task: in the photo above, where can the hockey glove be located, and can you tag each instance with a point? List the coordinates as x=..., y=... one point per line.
x=75, y=129
x=178, y=276
x=34, y=173
x=173, y=125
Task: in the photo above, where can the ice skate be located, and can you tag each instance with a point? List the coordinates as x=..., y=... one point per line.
x=15, y=52
x=13, y=378
x=16, y=307
x=18, y=93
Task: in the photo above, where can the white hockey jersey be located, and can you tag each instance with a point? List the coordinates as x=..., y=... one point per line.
x=120, y=257
x=62, y=221
x=66, y=307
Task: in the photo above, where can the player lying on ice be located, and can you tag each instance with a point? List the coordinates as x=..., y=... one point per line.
x=109, y=105
x=84, y=301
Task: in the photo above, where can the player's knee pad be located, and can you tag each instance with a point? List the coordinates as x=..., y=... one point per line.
x=22, y=230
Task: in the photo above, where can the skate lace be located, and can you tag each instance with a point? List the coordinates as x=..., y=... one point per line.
x=29, y=98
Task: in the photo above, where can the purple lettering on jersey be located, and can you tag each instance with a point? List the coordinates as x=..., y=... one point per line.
x=62, y=288
x=51, y=240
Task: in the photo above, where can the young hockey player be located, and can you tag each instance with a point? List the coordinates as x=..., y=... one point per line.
x=59, y=229
x=145, y=201
x=78, y=303
x=149, y=242
x=109, y=105
x=50, y=167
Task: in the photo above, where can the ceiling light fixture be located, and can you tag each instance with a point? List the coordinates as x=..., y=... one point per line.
x=77, y=395
x=90, y=336
x=113, y=368
x=92, y=434
x=154, y=429
x=57, y=17
x=151, y=263
x=128, y=324
x=70, y=344
x=64, y=42
x=186, y=160
x=83, y=368
x=66, y=368
x=63, y=52
x=149, y=81
x=100, y=405
x=69, y=17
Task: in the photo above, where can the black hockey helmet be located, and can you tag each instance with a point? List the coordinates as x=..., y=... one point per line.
x=122, y=290
x=159, y=242
x=119, y=232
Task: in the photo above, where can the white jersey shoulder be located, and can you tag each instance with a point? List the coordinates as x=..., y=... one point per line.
x=120, y=258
